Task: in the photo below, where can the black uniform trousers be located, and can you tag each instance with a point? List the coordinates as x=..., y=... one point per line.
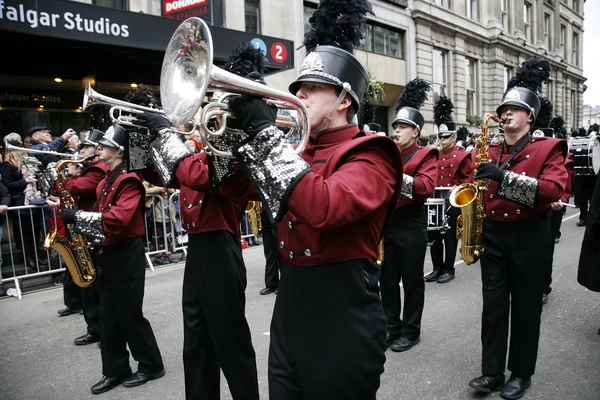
x=584, y=188
x=449, y=240
x=555, y=222
x=122, y=323
x=215, y=331
x=71, y=292
x=271, y=249
x=405, y=245
x=327, y=333
x=511, y=273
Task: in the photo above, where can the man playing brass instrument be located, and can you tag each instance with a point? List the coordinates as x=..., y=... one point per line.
x=526, y=175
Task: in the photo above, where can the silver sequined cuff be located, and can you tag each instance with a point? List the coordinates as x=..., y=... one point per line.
x=90, y=224
x=273, y=167
x=408, y=186
x=518, y=188
x=165, y=152
x=222, y=168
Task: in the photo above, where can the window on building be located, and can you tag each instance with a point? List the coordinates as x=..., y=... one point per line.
x=444, y=3
x=308, y=12
x=440, y=73
x=575, y=49
x=504, y=5
x=383, y=40
x=547, y=29
x=574, y=107
x=527, y=20
x=472, y=10
x=549, y=90
x=471, y=85
x=252, y=14
x=563, y=39
x=509, y=72
x=119, y=4
x=576, y=6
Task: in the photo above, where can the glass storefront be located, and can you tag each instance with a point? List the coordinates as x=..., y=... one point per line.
x=20, y=120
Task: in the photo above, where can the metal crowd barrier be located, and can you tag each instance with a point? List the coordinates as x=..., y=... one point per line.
x=26, y=227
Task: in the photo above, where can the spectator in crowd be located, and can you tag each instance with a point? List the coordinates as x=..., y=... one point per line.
x=41, y=139
x=4, y=203
x=27, y=141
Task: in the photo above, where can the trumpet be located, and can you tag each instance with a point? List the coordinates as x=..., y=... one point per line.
x=188, y=73
x=10, y=147
x=119, y=109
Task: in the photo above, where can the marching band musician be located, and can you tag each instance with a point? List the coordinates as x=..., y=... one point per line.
x=526, y=175
x=215, y=330
x=405, y=241
x=82, y=186
x=331, y=203
x=454, y=167
x=117, y=222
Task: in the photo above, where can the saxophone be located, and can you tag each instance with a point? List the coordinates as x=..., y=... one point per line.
x=76, y=252
x=254, y=218
x=469, y=198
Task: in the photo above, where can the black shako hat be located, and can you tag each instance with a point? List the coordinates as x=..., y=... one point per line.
x=116, y=136
x=442, y=114
x=93, y=137
x=410, y=101
x=336, y=28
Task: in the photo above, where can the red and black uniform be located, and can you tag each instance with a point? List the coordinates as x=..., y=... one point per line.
x=120, y=284
x=328, y=302
x=216, y=333
x=515, y=233
x=555, y=222
x=83, y=190
x=405, y=244
x=454, y=167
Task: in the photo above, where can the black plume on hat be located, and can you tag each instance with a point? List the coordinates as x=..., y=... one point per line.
x=366, y=114
x=142, y=96
x=531, y=75
x=558, y=124
x=100, y=118
x=414, y=94
x=593, y=128
x=462, y=133
x=544, y=115
x=337, y=23
x=442, y=110
x=245, y=60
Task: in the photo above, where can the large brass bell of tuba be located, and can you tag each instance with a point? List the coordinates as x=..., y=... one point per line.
x=188, y=73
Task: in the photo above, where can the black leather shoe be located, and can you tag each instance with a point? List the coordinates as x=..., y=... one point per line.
x=403, y=343
x=433, y=275
x=580, y=223
x=544, y=298
x=515, y=387
x=68, y=311
x=106, y=384
x=86, y=339
x=445, y=277
x=268, y=290
x=389, y=339
x=487, y=383
x=139, y=378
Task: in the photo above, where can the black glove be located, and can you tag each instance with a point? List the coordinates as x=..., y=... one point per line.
x=153, y=121
x=489, y=170
x=252, y=114
x=68, y=215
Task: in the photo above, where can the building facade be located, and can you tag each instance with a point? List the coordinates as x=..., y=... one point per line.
x=469, y=49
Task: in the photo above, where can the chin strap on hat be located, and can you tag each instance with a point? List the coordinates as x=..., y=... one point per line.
x=346, y=87
x=119, y=152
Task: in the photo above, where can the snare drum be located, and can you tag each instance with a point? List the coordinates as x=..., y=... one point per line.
x=436, y=214
x=586, y=154
x=442, y=193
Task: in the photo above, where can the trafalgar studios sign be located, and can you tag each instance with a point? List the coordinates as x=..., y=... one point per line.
x=84, y=22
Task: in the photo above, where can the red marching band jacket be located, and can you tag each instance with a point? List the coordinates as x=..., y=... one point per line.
x=83, y=187
x=454, y=167
x=570, y=166
x=422, y=166
x=339, y=211
x=542, y=158
x=122, y=206
x=201, y=209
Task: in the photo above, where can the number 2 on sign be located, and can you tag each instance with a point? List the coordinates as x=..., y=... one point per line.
x=278, y=52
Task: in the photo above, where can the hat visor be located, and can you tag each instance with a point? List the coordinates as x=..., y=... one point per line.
x=517, y=103
x=295, y=86
x=405, y=121
x=108, y=143
x=445, y=134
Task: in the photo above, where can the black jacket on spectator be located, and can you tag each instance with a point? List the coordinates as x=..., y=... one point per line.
x=4, y=199
x=15, y=183
x=57, y=145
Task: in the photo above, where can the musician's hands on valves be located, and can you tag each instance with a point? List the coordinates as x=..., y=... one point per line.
x=489, y=171
x=152, y=121
x=252, y=114
x=68, y=215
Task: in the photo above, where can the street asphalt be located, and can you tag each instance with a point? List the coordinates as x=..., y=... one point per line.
x=38, y=359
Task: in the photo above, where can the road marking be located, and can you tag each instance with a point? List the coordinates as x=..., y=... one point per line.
x=268, y=333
